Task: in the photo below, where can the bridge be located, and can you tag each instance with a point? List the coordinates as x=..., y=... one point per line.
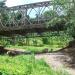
x=17, y=20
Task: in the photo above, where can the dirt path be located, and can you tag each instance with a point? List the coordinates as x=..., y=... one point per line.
x=56, y=61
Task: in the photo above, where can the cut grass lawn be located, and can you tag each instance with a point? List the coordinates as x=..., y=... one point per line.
x=26, y=65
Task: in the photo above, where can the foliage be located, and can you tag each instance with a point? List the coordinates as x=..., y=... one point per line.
x=58, y=23
x=4, y=17
x=63, y=18
x=49, y=14
x=18, y=16
x=53, y=41
x=2, y=3
x=25, y=65
x=70, y=19
x=45, y=40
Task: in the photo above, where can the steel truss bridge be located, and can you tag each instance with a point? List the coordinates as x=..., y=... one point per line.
x=16, y=20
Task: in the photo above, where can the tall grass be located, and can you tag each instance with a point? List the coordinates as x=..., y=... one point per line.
x=40, y=43
x=53, y=42
x=25, y=65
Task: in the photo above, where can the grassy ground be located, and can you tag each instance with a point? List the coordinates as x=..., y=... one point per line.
x=25, y=65
x=40, y=43
x=34, y=48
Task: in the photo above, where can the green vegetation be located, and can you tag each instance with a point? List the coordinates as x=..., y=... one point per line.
x=55, y=46
x=52, y=42
x=25, y=65
x=60, y=20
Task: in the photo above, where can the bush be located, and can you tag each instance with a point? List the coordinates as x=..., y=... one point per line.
x=45, y=40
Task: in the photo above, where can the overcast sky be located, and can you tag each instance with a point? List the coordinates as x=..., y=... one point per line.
x=10, y=3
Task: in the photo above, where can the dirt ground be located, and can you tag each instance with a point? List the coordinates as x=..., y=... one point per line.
x=58, y=61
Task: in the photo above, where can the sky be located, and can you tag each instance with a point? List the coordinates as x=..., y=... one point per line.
x=11, y=3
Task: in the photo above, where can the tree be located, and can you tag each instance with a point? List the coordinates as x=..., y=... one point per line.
x=18, y=16
x=50, y=14
x=71, y=20
x=2, y=3
x=3, y=15
x=56, y=20
x=65, y=19
x=70, y=16
x=57, y=24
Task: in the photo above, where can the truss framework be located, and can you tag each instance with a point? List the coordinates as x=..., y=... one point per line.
x=24, y=21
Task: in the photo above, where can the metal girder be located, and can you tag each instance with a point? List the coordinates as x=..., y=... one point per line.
x=32, y=5
x=24, y=23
